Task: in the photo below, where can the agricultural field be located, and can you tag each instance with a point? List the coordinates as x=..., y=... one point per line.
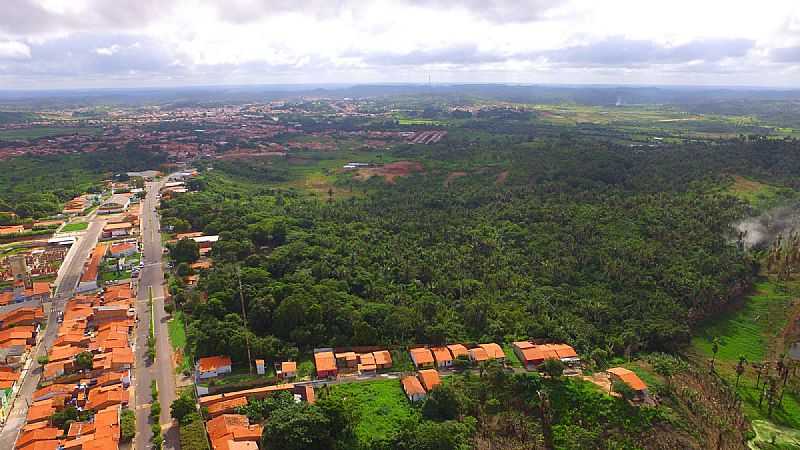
x=760, y=196
x=28, y=134
x=74, y=227
x=382, y=407
x=753, y=331
x=659, y=123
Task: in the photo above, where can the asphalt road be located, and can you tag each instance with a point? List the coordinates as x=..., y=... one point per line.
x=70, y=273
x=151, y=279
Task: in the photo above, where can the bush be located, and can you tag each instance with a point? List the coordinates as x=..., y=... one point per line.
x=155, y=410
x=128, y=424
x=193, y=435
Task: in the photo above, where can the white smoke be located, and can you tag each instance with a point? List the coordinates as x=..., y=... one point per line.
x=763, y=229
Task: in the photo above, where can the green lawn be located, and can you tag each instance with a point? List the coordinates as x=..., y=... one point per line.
x=39, y=132
x=177, y=332
x=73, y=227
x=381, y=404
x=748, y=331
x=114, y=276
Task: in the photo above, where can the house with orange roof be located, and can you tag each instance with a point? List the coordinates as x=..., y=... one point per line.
x=102, y=399
x=478, y=355
x=532, y=356
x=325, y=363
x=39, y=412
x=122, y=250
x=628, y=377
x=421, y=357
x=232, y=428
x=493, y=351
x=88, y=280
x=213, y=366
x=347, y=360
x=53, y=390
x=442, y=357
x=413, y=388
x=366, y=364
x=429, y=378
x=226, y=406
x=383, y=359
x=41, y=434
x=42, y=445
x=458, y=350
x=288, y=369
x=27, y=315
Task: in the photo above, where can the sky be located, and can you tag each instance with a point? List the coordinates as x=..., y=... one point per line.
x=55, y=44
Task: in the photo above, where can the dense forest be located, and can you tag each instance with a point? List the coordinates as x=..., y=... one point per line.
x=38, y=186
x=617, y=250
x=603, y=247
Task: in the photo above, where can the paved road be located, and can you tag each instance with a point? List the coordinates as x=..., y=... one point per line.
x=66, y=282
x=162, y=370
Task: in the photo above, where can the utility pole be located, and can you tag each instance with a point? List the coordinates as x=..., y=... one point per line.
x=244, y=318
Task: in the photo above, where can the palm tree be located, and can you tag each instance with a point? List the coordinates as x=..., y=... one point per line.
x=740, y=369
x=714, y=350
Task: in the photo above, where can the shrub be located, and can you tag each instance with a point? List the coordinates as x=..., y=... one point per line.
x=128, y=425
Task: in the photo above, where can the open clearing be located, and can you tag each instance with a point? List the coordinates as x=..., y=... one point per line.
x=753, y=331
x=381, y=404
x=39, y=132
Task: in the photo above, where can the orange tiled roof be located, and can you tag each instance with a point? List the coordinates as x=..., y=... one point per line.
x=441, y=354
x=429, y=378
x=210, y=363
x=324, y=361
x=382, y=357
x=493, y=351
x=412, y=386
x=458, y=350
x=478, y=354
x=421, y=355
x=629, y=378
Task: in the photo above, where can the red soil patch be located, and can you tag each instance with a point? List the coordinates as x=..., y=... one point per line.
x=452, y=176
x=502, y=177
x=390, y=171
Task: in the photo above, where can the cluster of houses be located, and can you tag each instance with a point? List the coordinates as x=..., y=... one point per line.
x=330, y=364
x=24, y=288
x=94, y=329
x=19, y=332
x=228, y=430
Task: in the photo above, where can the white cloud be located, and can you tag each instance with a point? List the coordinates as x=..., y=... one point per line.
x=404, y=40
x=14, y=50
x=107, y=51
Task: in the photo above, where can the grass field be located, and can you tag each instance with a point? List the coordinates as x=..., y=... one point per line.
x=381, y=404
x=177, y=332
x=751, y=331
x=759, y=195
x=407, y=121
x=39, y=132
x=74, y=227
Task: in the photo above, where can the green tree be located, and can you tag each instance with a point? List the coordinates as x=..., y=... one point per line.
x=553, y=367
x=182, y=407
x=442, y=403
x=297, y=427
x=84, y=360
x=740, y=368
x=714, y=350
x=185, y=250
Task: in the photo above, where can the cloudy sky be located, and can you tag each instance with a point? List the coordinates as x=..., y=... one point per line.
x=129, y=43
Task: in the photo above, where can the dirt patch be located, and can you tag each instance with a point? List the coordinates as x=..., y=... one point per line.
x=390, y=172
x=501, y=177
x=452, y=176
